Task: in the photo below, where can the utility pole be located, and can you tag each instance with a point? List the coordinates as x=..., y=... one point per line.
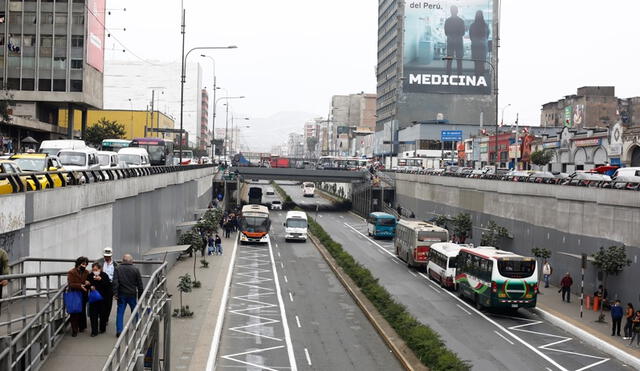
x=153, y=98
x=182, y=80
x=226, y=129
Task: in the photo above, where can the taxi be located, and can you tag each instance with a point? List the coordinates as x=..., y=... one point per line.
x=40, y=163
x=7, y=184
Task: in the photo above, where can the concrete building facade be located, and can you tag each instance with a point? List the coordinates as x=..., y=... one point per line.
x=350, y=113
x=203, y=134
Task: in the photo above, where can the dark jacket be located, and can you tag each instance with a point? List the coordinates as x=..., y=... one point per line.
x=566, y=282
x=103, y=285
x=127, y=281
x=454, y=28
x=616, y=312
x=76, y=279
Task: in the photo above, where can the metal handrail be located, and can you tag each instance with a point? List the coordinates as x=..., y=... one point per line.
x=135, y=337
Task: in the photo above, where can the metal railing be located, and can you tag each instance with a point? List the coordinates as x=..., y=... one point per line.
x=142, y=330
x=24, y=182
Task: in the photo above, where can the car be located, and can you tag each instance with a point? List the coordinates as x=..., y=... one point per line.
x=134, y=157
x=53, y=147
x=13, y=179
x=40, y=163
x=276, y=205
x=109, y=160
x=79, y=159
x=270, y=192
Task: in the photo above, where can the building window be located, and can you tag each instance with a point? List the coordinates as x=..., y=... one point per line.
x=15, y=18
x=59, y=85
x=46, y=18
x=45, y=63
x=59, y=63
x=77, y=41
x=76, y=64
x=76, y=85
x=78, y=18
x=13, y=84
x=29, y=40
x=60, y=42
x=30, y=18
x=28, y=63
x=61, y=18
x=44, y=84
x=28, y=84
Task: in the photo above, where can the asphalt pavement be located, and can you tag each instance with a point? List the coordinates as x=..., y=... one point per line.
x=490, y=341
x=287, y=310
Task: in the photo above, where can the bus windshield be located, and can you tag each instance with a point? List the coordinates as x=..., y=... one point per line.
x=452, y=262
x=255, y=224
x=296, y=223
x=516, y=268
x=433, y=236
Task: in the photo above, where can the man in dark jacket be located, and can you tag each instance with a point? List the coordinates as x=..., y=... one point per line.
x=127, y=288
x=454, y=29
x=616, y=318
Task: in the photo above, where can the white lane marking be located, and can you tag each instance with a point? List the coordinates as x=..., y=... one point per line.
x=279, y=254
x=395, y=261
x=467, y=312
x=306, y=353
x=372, y=241
x=341, y=216
x=217, y=332
x=285, y=279
x=502, y=336
x=290, y=296
x=276, y=245
x=298, y=322
x=430, y=285
x=261, y=367
x=283, y=313
x=413, y=274
x=282, y=265
x=548, y=369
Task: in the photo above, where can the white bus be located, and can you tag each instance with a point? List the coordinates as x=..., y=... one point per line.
x=442, y=263
x=413, y=240
x=308, y=189
x=254, y=224
x=295, y=226
x=495, y=278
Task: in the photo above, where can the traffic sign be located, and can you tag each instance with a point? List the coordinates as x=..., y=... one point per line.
x=451, y=135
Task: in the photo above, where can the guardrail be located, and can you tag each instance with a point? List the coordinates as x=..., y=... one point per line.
x=27, y=339
x=26, y=181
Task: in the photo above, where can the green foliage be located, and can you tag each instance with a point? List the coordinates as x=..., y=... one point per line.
x=493, y=234
x=541, y=158
x=197, y=284
x=185, y=285
x=611, y=260
x=182, y=312
x=287, y=202
x=210, y=221
x=462, y=226
x=191, y=238
x=204, y=263
x=104, y=129
x=423, y=341
x=541, y=252
x=441, y=221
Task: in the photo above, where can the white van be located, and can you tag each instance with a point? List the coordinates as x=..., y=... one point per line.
x=108, y=160
x=52, y=147
x=295, y=226
x=134, y=157
x=79, y=159
x=627, y=171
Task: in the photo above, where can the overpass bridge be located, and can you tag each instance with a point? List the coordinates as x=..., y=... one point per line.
x=305, y=175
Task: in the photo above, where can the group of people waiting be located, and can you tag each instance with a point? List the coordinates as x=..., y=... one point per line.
x=112, y=280
x=230, y=223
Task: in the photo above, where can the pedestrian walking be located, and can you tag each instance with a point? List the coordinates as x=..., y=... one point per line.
x=211, y=245
x=4, y=271
x=227, y=229
x=565, y=287
x=636, y=329
x=99, y=311
x=218, y=243
x=127, y=288
x=546, y=273
x=77, y=280
x=109, y=267
x=616, y=318
x=628, y=326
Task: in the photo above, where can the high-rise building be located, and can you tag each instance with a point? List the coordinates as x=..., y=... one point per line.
x=434, y=63
x=203, y=136
x=52, y=58
x=350, y=113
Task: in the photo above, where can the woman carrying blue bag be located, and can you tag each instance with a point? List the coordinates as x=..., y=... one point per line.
x=101, y=288
x=76, y=297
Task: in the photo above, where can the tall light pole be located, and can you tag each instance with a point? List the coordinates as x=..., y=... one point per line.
x=183, y=72
x=234, y=133
x=226, y=125
x=213, y=121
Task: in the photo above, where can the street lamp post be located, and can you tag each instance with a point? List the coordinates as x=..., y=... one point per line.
x=226, y=125
x=234, y=132
x=213, y=123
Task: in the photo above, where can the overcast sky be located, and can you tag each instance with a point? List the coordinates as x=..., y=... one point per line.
x=294, y=55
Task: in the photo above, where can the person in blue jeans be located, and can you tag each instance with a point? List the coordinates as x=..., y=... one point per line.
x=127, y=288
x=218, y=243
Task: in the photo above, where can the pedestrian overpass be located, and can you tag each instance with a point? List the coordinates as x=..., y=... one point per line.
x=304, y=175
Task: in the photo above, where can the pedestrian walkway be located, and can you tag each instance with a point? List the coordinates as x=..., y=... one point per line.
x=190, y=337
x=550, y=300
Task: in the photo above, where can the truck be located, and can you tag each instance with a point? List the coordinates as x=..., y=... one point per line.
x=255, y=195
x=279, y=162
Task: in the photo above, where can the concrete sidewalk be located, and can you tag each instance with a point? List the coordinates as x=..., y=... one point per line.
x=550, y=301
x=190, y=337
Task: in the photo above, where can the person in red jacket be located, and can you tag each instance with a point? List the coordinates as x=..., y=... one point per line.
x=565, y=287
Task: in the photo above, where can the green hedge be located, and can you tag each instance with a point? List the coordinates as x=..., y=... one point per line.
x=425, y=343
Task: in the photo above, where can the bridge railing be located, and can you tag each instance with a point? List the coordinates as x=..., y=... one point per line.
x=35, y=181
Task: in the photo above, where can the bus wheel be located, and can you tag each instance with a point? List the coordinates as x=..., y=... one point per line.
x=477, y=302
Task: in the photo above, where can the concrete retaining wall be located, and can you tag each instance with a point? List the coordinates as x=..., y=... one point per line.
x=569, y=220
x=131, y=215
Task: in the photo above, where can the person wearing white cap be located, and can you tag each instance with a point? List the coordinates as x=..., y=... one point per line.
x=109, y=267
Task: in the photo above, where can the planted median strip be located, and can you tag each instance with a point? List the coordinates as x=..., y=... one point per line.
x=422, y=340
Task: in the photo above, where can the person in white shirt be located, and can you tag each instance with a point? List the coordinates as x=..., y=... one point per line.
x=108, y=266
x=546, y=272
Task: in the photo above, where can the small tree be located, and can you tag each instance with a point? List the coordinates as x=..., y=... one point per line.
x=104, y=129
x=441, y=221
x=194, y=240
x=462, y=227
x=493, y=234
x=541, y=158
x=541, y=255
x=184, y=286
x=610, y=261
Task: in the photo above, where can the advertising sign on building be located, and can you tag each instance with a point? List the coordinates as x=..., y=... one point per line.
x=568, y=116
x=587, y=142
x=448, y=46
x=95, y=34
x=451, y=135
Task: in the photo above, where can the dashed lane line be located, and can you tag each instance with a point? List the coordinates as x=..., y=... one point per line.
x=499, y=334
x=306, y=353
x=298, y=322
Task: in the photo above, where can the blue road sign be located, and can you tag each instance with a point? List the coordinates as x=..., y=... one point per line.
x=451, y=135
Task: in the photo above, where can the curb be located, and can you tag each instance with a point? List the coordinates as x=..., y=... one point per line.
x=590, y=339
x=400, y=350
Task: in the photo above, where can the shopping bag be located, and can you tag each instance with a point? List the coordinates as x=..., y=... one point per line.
x=95, y=296
x=73, y=302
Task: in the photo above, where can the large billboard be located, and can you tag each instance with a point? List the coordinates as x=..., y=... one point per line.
x=95, y=34
x=448, y=46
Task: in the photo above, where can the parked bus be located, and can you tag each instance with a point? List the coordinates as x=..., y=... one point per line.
x=413, y=239
x=495, y=278
x=114, y=145
x=160, y=150
x=442, y=263
x=295, y=226
x=381, y=225
x=308, y=189
x=254, y=224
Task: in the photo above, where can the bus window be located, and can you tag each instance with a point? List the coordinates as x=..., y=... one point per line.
x=433, y=236
x=516, y=268
x=452, y=262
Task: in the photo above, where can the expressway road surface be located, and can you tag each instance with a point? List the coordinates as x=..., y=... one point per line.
x=287, y=310
x=490, y=341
